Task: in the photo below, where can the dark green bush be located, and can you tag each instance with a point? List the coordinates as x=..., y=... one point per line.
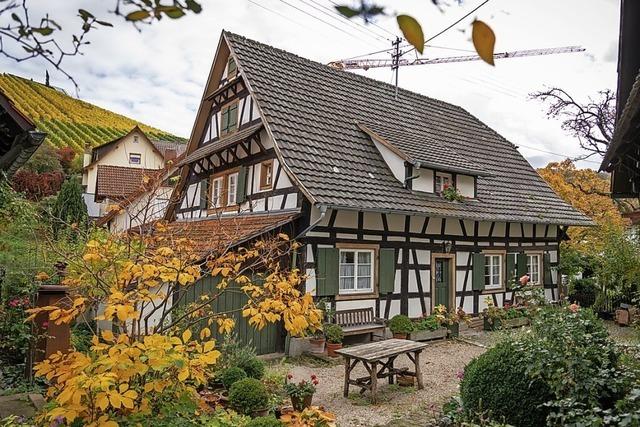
x=265, y=422
x=496, y=383
x=400, y=324
x=230, y=376
x=248, y=396
x=254, y=367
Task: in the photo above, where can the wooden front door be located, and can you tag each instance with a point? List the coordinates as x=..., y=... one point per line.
x=442, y=279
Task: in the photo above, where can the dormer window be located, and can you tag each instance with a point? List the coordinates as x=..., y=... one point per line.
x=232, y=69
x=442, y=181
x=229, y=118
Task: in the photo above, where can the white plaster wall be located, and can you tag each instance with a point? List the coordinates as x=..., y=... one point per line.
x=395, y=162
x=424, y=182
x=465, y=185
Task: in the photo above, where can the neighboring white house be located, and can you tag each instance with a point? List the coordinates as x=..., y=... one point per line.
x=114, y=171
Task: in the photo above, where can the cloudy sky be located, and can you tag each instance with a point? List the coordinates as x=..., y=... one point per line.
x=157, y=75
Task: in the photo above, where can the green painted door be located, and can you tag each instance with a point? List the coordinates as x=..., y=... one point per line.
x=443, y=282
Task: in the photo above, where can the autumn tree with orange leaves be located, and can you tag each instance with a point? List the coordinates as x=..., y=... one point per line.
x=130, y=278
x=587, y=191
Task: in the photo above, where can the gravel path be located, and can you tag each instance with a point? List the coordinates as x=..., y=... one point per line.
x=440, y=363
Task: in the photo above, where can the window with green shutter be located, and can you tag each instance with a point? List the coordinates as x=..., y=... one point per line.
x=241, y=189
x=478, y=271
x=546, y=267
x=327, y=265
x=228, y=118
x=387, y=270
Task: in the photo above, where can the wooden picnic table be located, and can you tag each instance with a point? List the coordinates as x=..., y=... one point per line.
x=378, y=359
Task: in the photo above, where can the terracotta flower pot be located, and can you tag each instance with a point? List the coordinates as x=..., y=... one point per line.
x=316, y=345
x=301, y=403
x=332, y=347
x=400, y=336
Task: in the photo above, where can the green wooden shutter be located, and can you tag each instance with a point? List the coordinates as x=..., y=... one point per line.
x=478, y=271
x=224, y=120
x=387, y=271
x=511, y=269
x=241, y=188
x=233, y=117
x=546, y=266
x=522, y=264
x=327, y=266
x=204, y=193
x=294, y=258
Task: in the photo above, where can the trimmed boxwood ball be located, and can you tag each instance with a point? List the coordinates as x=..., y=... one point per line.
x=253, y=367
x=230, y=376
x=248, y=396
x=265, y=422
x=496, y=384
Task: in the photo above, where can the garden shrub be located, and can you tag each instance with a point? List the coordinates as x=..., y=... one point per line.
x=248, y=396
x=265, y=422
x=230, y=376
x=497, y=383
x=254, y=368
x=400, y=324
x=334, y=333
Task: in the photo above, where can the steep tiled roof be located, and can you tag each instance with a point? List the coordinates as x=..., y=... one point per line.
x=213, y=234
x=170, y=149
x=118, y=182
x=225, y=141
x=313, y=112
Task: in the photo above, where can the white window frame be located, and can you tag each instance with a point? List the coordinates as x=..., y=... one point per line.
x=443, y=176
x=134, y=155
x=355, y=290
x=232, y=188
x=539, y=272
x=490, y=285
x=216, y=184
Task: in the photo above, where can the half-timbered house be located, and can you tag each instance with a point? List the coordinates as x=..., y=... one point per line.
x=360, y=176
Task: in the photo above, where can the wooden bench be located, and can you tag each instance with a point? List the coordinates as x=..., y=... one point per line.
x=359, y=321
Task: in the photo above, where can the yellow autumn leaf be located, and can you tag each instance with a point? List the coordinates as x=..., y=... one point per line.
x=412, y=31
x=107, y=335
x=484, y=41
x=186, y=336
x=183, y=374
x=205, y=333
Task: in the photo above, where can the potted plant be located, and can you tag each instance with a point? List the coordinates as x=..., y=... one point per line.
x=301, y=393
x=334, y=335
x=428, y=328
x=400, y=326
x=250, y=397
x=451, y=193
x=453, y=320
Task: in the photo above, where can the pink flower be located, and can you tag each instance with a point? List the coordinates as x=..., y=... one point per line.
x=460, y=375
x=313, y=376
x=524, y=279
x=290, y=376
x=574, y=308
x=45, y=325
x=315, y=382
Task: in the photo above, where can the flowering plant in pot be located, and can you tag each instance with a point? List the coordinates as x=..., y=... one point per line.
x=317, y=342
x=400, y=326
x=453, y=319
x=301, y=393
x=334, y=335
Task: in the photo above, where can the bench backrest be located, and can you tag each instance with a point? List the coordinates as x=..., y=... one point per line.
x=354, y=317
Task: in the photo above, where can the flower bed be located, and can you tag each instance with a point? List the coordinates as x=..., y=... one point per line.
x=437, y=325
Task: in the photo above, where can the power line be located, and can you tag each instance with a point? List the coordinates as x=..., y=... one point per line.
x=372, y=23
x=566, y=156
x=334, y=13
x=276, y=12
x=324, y=22
x=455, y=23
x=368, y=33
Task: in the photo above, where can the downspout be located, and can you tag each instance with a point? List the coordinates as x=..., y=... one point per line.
x=323, y=212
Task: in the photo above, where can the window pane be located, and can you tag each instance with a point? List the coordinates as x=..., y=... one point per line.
x=364, y=257
x=364, y=270
x=347, y=257
x=346, y=283
x=347, y=270
x=364, y=282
